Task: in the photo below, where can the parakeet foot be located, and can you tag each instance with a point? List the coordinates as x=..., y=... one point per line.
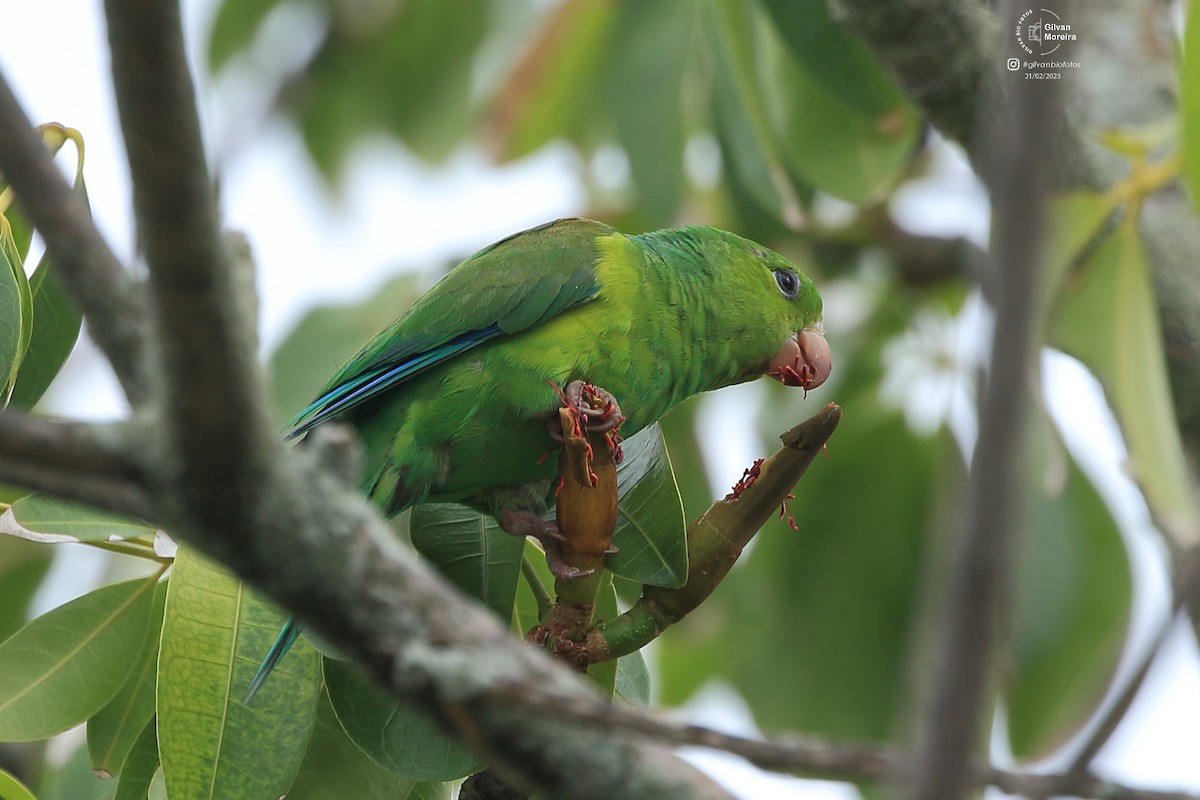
x=527, y=523
x=598, y=409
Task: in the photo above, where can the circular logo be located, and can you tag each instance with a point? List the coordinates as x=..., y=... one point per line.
x=1040, y=32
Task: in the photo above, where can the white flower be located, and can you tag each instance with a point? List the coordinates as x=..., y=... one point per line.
x=929, y=370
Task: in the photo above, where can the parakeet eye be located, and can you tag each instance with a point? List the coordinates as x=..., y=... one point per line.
x=788, y=282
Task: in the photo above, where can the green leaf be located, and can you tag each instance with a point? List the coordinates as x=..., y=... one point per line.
x=834, y=58
x=1075, y=220
x=431, y=791
x=841, y=597
x=1106, y=317
x=471, y=550
x=234, y=27
x=72, y=780
x=50, y=520
x=833, y=145
x=14, y=314
x=53, y=337
x=13, y=789
x=398, y=68
x=551, y=89
x=158, y=786
x=650, y=531
x=140, y=766
x=1189, y=104
x=22, y=567
x=633, y=679
x=67, y=664
x=214, y=633
x=525, y=609
x=682, y=440
x=740, y=113
x=113, y=731
x=1072, y=605
x=395, y=736
x=604, y=674
x=335, y=769
x=645, y=83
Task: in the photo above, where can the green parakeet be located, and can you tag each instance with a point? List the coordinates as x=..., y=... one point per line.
x=452, y=401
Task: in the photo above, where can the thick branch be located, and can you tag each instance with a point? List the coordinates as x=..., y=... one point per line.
x=213, y=394
x=110, y=300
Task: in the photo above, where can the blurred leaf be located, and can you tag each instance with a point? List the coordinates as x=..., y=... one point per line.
x=72, y=780
x=471, y=550
x=22, y=567
x=604, y=674
x=395, y=736
x=551, y=88
x=740, y=115
x=234, y=27
x=158, y=786
x=834, y=58
x=682, y=441
x=13, y=789
x=841, y=593
x=400, y=68
x=1106, y=317
x=53, y=338
x=335, y=769
x=326, y=338
x=140, y=766
x=14, y=313
x=1072, y=605
x=1075, y=220
x=633, y=679
x=1189, y=104
x=1141, y=141
x=114, y=730
x=50, y=520
x=67, y=664
x=431, y=791
x=214, y=633
x=645, y=83
x=833, y=145
x=650, y=531
x=525, y=614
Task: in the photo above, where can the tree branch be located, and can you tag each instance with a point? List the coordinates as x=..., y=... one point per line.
x=974, y=602
x=112, y=302
x=816, y=757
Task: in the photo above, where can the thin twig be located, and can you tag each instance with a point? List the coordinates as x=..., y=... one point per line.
x=1185, y=587
x=816, y=757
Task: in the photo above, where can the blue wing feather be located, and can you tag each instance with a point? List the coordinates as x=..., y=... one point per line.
x=353, y=392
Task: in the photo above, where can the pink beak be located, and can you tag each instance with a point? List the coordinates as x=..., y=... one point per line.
x=804, y=360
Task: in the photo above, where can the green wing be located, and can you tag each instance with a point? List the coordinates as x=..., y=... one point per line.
x=510, y=286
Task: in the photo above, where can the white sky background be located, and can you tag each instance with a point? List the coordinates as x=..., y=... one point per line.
x=397, y=213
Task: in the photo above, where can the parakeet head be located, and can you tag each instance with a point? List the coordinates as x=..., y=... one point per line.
x=768, y=306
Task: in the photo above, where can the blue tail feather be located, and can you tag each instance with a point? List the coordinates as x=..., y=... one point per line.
x=283, y=642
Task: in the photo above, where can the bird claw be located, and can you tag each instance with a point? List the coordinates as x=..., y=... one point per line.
x=527, y=523
x=597, y=410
